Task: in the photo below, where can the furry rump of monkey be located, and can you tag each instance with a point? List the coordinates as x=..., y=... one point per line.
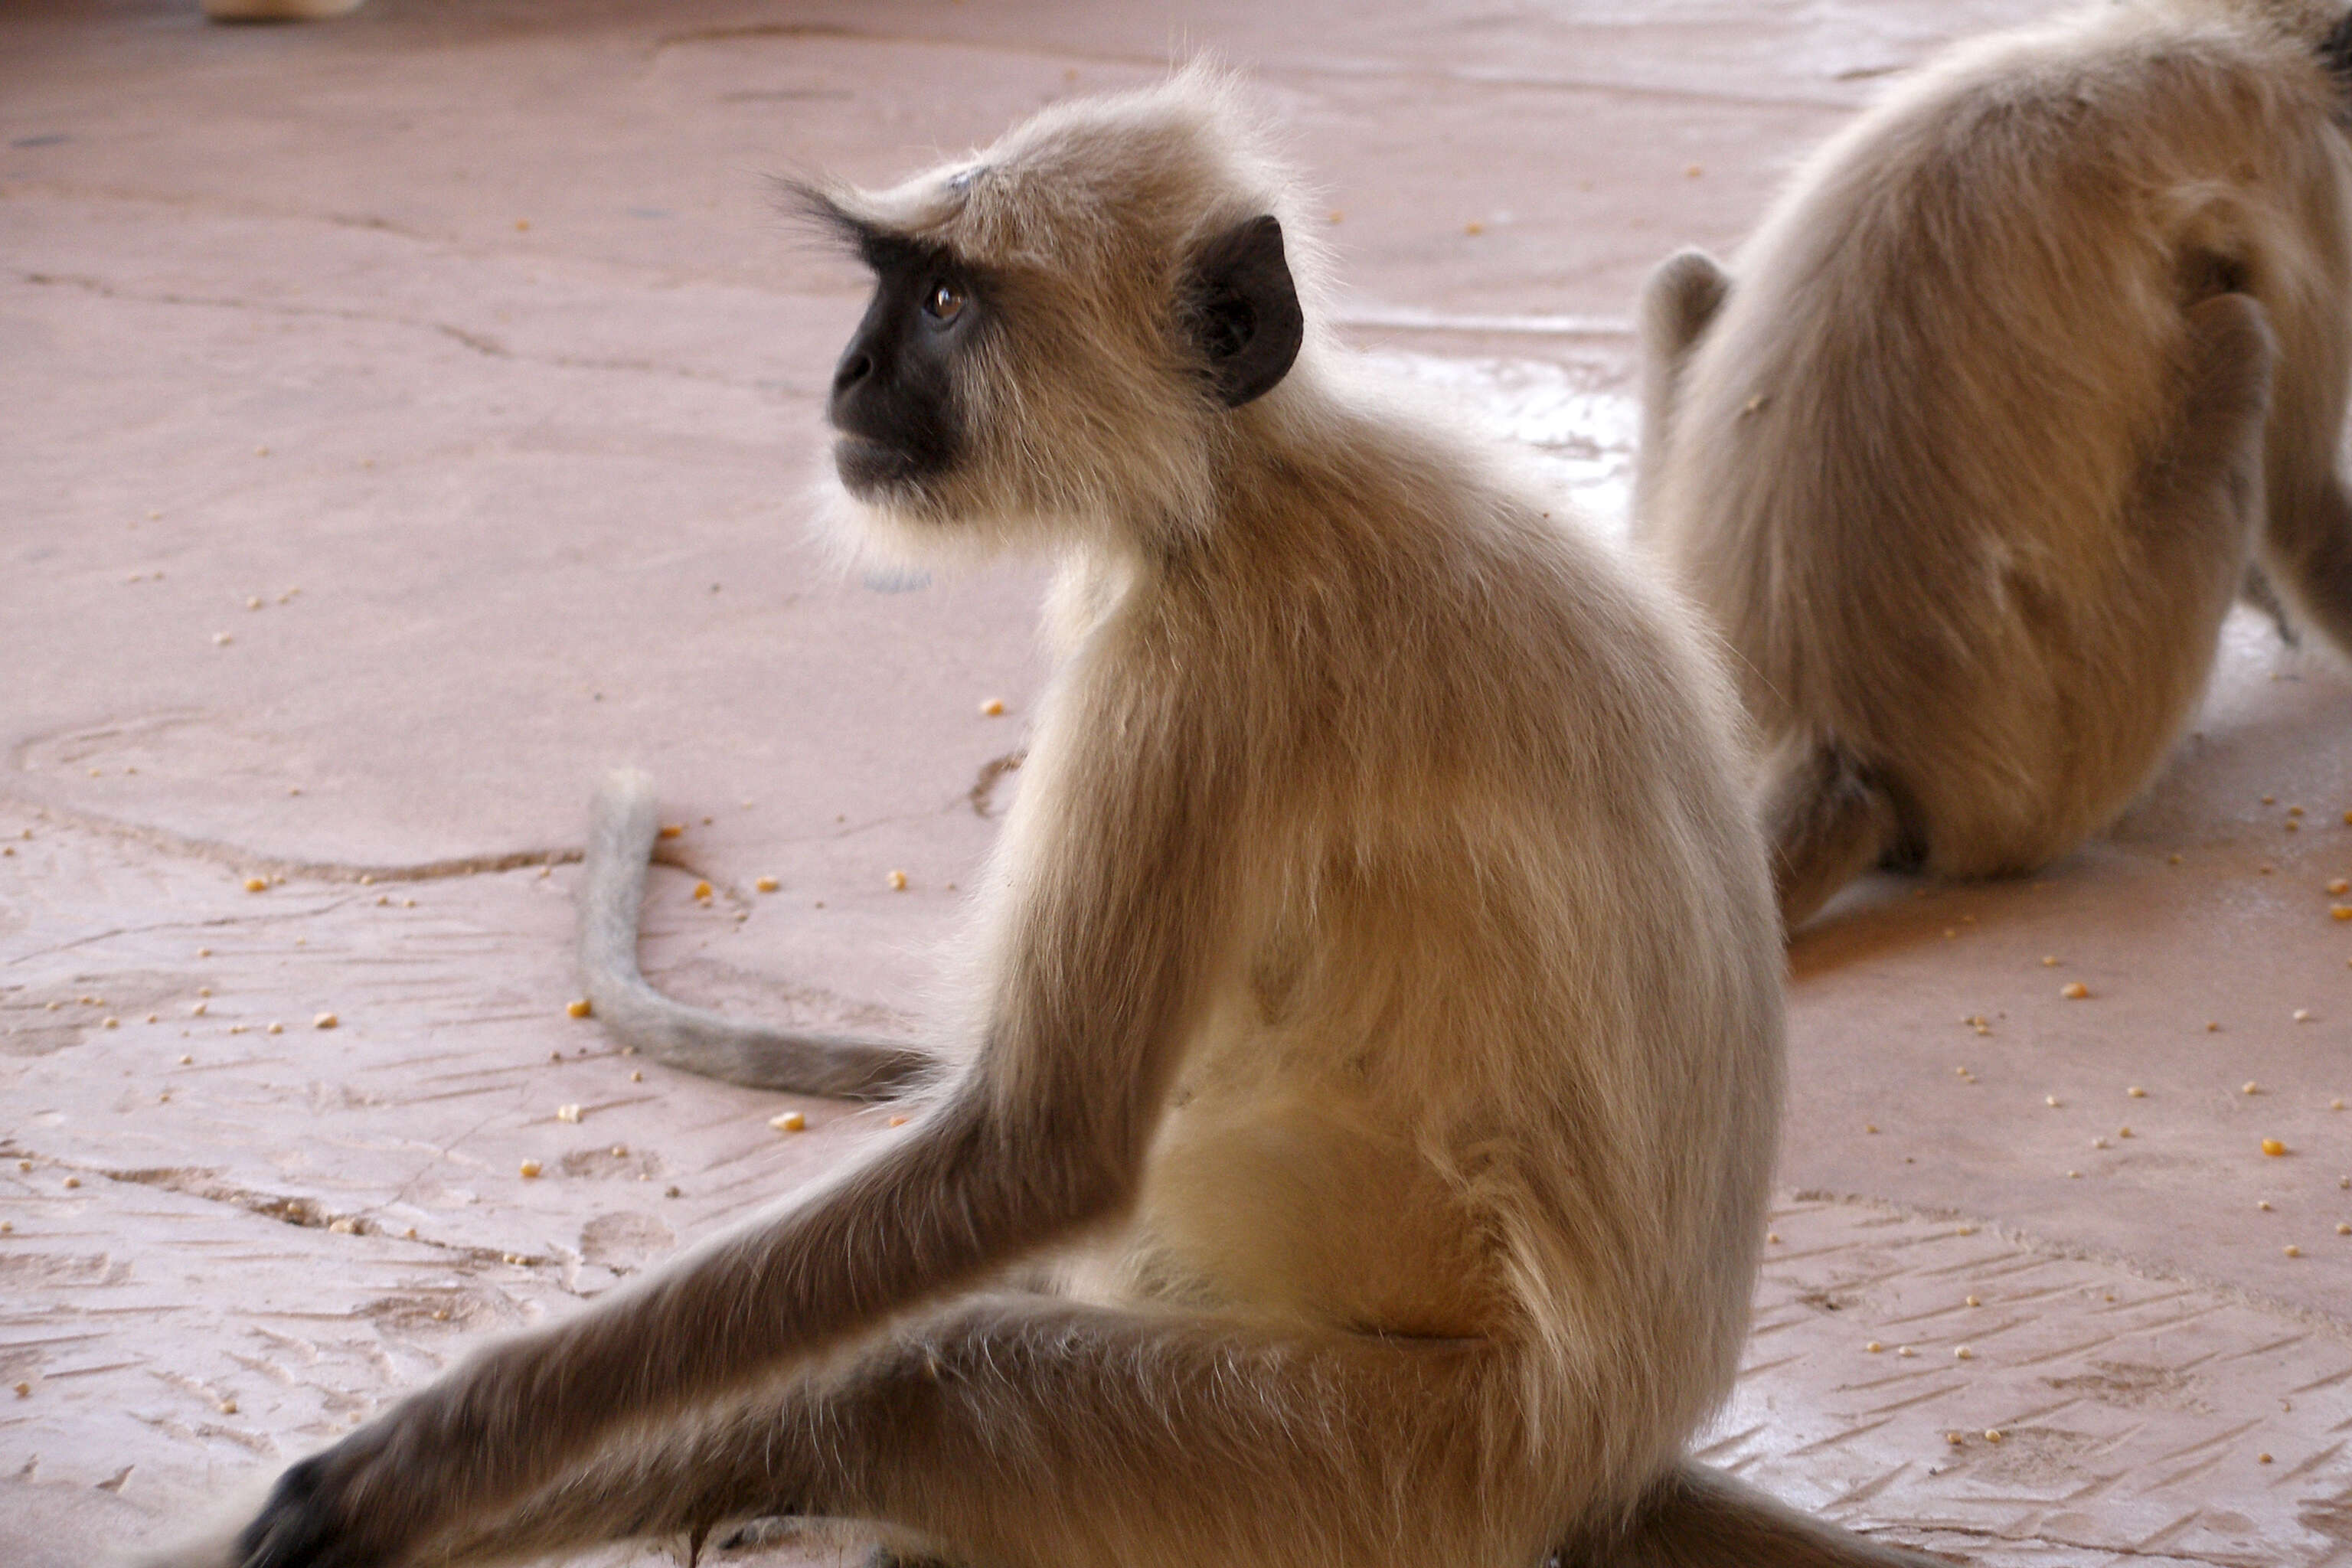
x=1968, y=455
x=623, y=828
x=1376, y=1026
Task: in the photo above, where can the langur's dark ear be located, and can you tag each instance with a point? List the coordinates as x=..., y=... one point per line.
x=1242, y=312
x=2336, y=49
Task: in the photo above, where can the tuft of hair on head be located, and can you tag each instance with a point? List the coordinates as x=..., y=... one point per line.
x=1114, y=243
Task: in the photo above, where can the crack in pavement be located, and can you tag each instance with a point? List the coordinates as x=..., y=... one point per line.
x=1991, y=1537
x=1343, y=67
x=478, y=343
x=304, y=1213
x=253, y=862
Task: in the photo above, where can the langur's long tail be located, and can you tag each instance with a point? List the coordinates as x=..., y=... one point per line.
x=1703, y=1518
x=621, y=834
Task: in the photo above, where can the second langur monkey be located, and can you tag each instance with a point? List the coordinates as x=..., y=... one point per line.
x=1968, y=455
x=1378, y=1019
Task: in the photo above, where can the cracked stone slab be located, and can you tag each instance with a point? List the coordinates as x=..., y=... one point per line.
x=216, y=1264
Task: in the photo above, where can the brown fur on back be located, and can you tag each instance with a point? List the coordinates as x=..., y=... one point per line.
x=1914, y=461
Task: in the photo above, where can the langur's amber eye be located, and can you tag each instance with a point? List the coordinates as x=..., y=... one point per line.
x=946, y=302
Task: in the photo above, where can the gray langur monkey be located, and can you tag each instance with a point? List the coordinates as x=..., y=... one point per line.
x=1377, y=1027
x=1967, y=455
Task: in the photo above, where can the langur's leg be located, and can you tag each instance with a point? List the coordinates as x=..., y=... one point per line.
x=1702, y=1518
x=1030, y=1430
x=1827, y=820
x=2306, y=550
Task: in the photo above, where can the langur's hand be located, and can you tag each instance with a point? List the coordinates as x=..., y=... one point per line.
x=369, y=1500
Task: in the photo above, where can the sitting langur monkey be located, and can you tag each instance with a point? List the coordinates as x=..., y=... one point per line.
x=1967, y=455
x=1378, y=1020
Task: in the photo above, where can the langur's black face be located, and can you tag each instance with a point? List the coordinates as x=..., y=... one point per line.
x=894, y=393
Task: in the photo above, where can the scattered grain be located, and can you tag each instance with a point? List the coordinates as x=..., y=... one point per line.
x=2273, y=1148
x=789, y=1122
x=992, y=709
x=255, y=884
x=767, y=884
x=2075, y=991
x=898, y=881
x=2292, y=1250
x=567, y=1113
x=325, y=1021
x=529, y=1169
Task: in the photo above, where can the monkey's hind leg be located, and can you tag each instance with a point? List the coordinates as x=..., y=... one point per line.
x=1702, y=1518
x=1679, y=300
x=1034, y=1430
x=2307, y=552
x=622, y=831
x=1827, y=820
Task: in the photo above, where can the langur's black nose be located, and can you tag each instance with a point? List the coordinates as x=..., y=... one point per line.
x=856, y=366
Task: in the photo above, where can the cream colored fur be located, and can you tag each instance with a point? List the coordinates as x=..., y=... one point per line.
x=1377, y=1019
x=2009, y=383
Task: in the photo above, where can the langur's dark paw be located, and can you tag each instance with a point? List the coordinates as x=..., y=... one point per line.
x=339, y=1508
x=300, y=1526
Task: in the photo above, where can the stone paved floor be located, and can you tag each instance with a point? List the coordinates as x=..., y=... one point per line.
x=463, y=342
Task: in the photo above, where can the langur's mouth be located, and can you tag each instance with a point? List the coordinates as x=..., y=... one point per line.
x=866, y=466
